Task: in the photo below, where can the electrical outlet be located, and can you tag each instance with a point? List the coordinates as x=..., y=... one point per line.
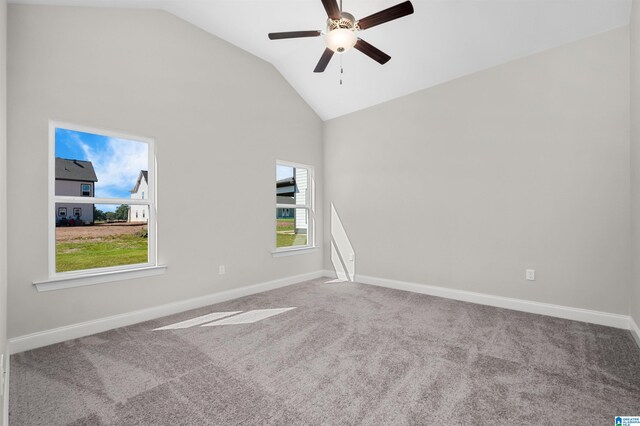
x=221, y=270
x=530, y=274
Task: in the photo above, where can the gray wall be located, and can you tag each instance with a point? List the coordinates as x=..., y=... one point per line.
x=635, y=158
x=214, y=111
x=467, y=184
x=3, y=182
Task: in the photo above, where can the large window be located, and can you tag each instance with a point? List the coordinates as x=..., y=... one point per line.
x=294, y=206
x=98, y=176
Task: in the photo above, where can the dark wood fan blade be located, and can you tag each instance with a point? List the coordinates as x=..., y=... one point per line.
x=293, y=34
x=324, y=60
x=331, y=6
x=394, y=12
x=372, y=52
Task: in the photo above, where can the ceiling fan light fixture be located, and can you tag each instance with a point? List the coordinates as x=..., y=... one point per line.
x=341, y=39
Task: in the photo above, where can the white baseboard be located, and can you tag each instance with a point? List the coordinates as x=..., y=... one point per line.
x=60, y=334
x=635, y=330
x=577, y=314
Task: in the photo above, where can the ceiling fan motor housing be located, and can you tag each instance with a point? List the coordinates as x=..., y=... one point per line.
x=341, y=35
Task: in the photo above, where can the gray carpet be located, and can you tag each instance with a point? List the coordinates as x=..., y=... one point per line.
x=348, y=354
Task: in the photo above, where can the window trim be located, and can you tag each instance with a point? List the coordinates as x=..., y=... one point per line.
x=98, y=278
x=82, y=185
x=112, y=271
x=309, y=206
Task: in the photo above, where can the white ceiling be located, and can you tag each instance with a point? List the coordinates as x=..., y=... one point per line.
x=442, y=40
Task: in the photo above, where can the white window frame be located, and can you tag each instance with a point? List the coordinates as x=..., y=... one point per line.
x=57, y=280
x=309, y=206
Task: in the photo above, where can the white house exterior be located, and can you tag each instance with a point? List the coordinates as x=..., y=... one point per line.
x=140, y=192
x=75, y=178
x=302, y=184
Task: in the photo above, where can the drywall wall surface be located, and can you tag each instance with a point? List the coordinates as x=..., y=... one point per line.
x=467, y=184
x=220, y=118
x=634, y=26
x=3, y=188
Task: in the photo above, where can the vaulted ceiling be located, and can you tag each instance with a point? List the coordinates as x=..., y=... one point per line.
x=442, y=40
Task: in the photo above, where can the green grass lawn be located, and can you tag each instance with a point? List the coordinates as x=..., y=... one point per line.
x=288, y=240
x=286, y=236
x=113, y=251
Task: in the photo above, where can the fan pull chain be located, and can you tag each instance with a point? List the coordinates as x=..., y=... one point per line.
x=341, y=71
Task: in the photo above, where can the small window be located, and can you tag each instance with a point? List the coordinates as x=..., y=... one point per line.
x=105, y=167
x=294, y=206
x=143, y=214
x=143, y=195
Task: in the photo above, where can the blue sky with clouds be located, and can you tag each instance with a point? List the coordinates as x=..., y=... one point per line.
x=283, y=172
x=117, y=162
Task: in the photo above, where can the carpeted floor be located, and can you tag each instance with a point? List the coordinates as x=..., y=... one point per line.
x=348, y=354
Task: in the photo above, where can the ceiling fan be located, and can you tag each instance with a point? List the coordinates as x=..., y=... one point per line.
x=342, y=27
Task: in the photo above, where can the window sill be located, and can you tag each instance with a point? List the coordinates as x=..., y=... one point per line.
x=60, y=283
x=294, y=251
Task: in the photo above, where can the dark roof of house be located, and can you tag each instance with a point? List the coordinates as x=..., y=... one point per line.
x=67, y=169
x=286, y=187
x=143, y=173
x=285, y=182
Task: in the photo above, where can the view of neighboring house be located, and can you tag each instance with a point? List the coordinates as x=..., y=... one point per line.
x=285, y=193
x=140, y=192
x=75, y=178
x=293, y=191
